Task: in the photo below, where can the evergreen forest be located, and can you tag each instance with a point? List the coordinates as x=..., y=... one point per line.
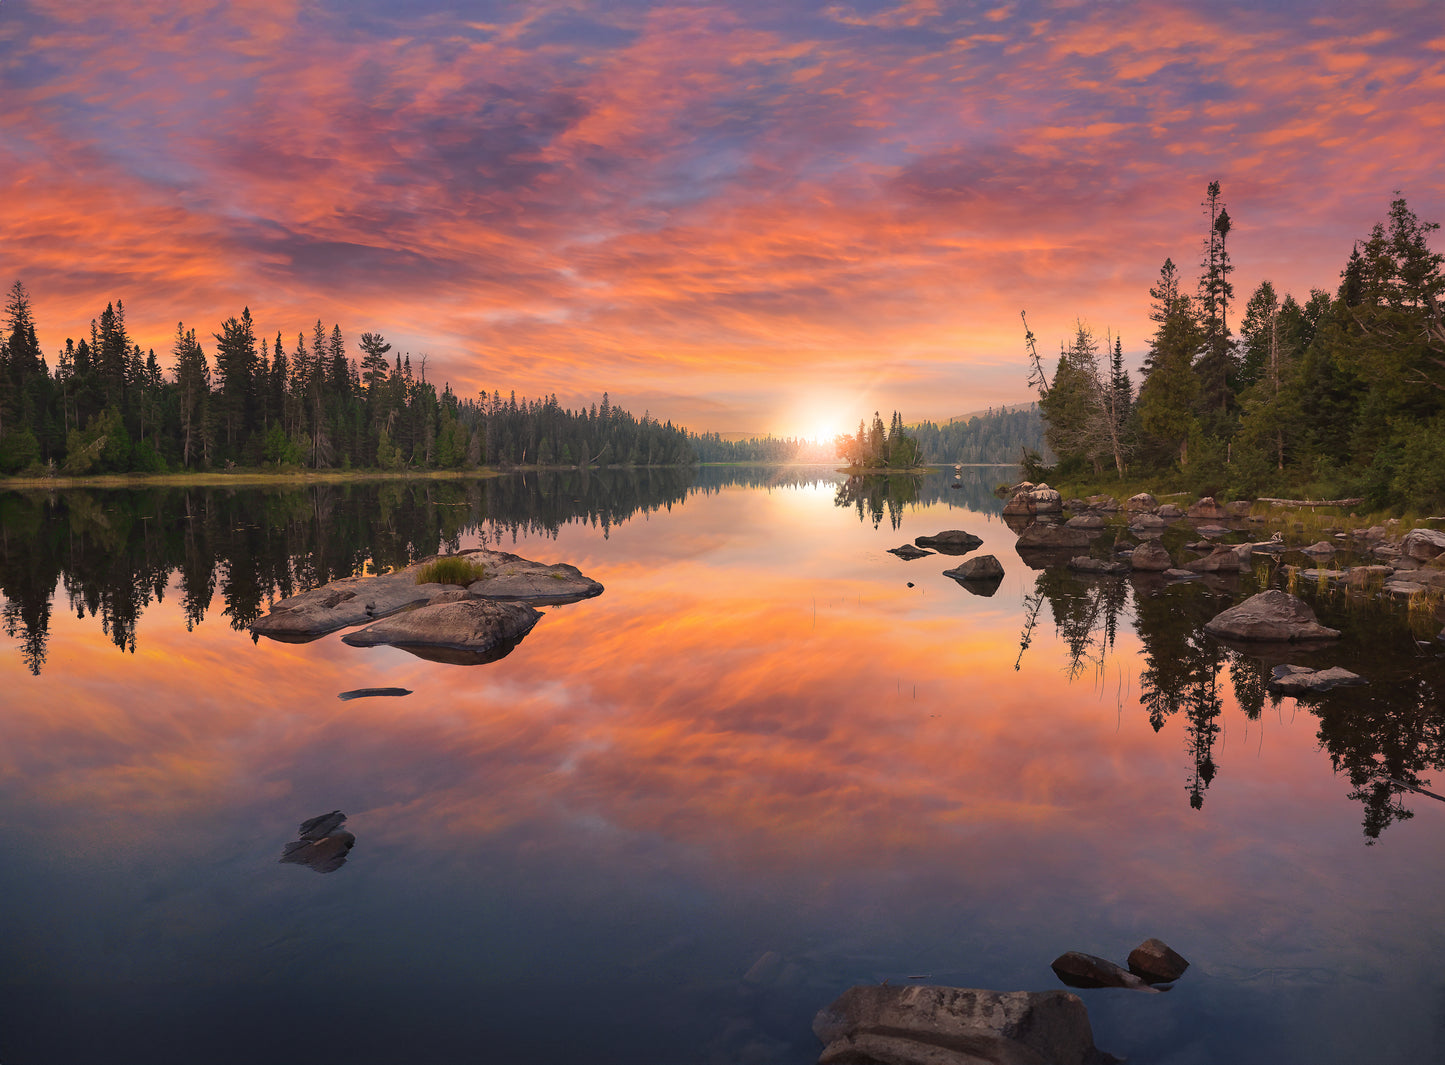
x=1334, y=395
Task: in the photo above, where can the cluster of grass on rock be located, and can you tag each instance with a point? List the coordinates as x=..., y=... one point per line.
x=450, y=569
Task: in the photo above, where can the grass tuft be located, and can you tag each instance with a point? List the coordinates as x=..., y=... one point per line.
x=451, y=569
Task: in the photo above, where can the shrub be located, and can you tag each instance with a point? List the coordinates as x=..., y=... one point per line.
x=451, y=569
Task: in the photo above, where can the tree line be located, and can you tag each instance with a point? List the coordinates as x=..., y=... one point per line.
x=1342, y=394
x=110, y=407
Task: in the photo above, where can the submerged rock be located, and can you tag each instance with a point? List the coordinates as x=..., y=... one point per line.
x=1323, y=547
x=1297, y=680
x=475, y=630
x=908, y=552
x=1220, y=560
x=950, y=542
x=883, y=1025
x=1078, y=969
x=1154, y=962
x=1085, y=521
x=1270, y=615
x=1086, y=564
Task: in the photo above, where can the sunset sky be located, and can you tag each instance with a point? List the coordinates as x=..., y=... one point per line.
x=742, y=216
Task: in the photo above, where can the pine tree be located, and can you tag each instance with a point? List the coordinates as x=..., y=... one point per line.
x=1215, y=362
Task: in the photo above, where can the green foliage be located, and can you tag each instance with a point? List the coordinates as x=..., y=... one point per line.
x=450, y=569
x=18, y=450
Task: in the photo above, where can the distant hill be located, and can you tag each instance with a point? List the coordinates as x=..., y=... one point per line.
x=1006, y=408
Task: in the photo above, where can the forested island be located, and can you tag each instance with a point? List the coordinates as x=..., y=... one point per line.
x=1337, y=396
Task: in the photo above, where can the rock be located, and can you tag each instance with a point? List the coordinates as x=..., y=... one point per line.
x=1296, y=680
x=982, y=568
x=1321, y=548
x=1212, y=531
x=314, y=828
x=1141, y=502
x=1085, y=521
x=474, y=631
x=1148, y=521
x=1365, y=576
x=322, y=843
x=512, y=577
x=1051, y=536
x=1153, y=961
x=951, y=542
x=369, y=693
x=1244, y=552
x=1399, y=589
x=885, y=1025
x=1151, y=555
x=1180, y=574
x=1376, y=532
x=1423, y=544
x=908, y=552
x=1322, y=575
x=1034, y=499
x=1169, y=512
x=1220, y=560
x=1089, y=970
x=349, y=601
x=1105, y=503
x=1270, y=615
x=1208, y=508
x=1085, y=564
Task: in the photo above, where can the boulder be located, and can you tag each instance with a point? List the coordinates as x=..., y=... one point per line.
x=1089, y=970
x=1365, y=576
x=982, y=568
x=1220, y=560
x=473, y=631
x=1298, y=680
x=1085, y=521
x=1180, y=574
x=1401, y=589
x=1154, y=962
x=1169, y=512
x=1051, y=536
x=1208, y=508
x=1148, y=521
x=321, y=843
x=908, y=552
x=1151, y=555
x=1212, y=531
x=1323, y=547
x=1423, y=544
x=349, y=601
x=1141, y=502
x=1270, y=615
x=950, y=542
x=1085, y=564
x=1034, y=499
x=886, y=1025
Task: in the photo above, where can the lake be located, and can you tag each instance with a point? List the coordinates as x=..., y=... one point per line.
x=768, y=762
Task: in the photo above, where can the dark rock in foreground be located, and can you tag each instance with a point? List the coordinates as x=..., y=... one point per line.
x=1270, y=615
x=883, y=1025
x=474, y=630
x=1298, y=680
x=982, y=568
x=323, y=844
x=370, y=693
x=908, y=552
x=950, y=542
x=1154, y=962
x=1089, y=970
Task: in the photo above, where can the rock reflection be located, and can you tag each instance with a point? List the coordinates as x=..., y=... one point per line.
x=323, y=844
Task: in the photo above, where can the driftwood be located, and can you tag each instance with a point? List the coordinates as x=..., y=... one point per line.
x=1312, y=502
x=1410, y=787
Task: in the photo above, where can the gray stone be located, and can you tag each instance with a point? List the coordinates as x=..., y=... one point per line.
x=1208, y=508
x=1078, y=969
x=982, y=568
x=1220, y=560
x=1051, y=536
x=512, y=577
x=1152, y=556
x=1423, y=544
x=1169, y=512
x=1141, y=502
x=1148, y=521
x=1365, y=576
x=950, y=542
x=1212, y=531
x=1085, y=521
x=1034, y=499
x=885, y=1025
x=1297, y=680
x=476, y=630
x=1156, y=963
x=1321, y=548
x=1180, y=574
x=1270, y=615
x=908, y=552
x=1403, y=589
x=349, y=601
x=1085, y=564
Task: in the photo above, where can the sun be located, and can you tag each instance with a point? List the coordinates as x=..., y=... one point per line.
x=821, y=418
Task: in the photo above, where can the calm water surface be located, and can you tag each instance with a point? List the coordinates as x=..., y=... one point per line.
x=679, y=818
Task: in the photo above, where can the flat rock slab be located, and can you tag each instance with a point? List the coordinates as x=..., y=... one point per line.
x=1298, y=680
x=908, y=552
x=474, y=630
x=1270, y=615
x=1085, y=521
x=950, y=542
x=887, y=1025
x=1051, y=537
x=357, y=600
x=1181, y=575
